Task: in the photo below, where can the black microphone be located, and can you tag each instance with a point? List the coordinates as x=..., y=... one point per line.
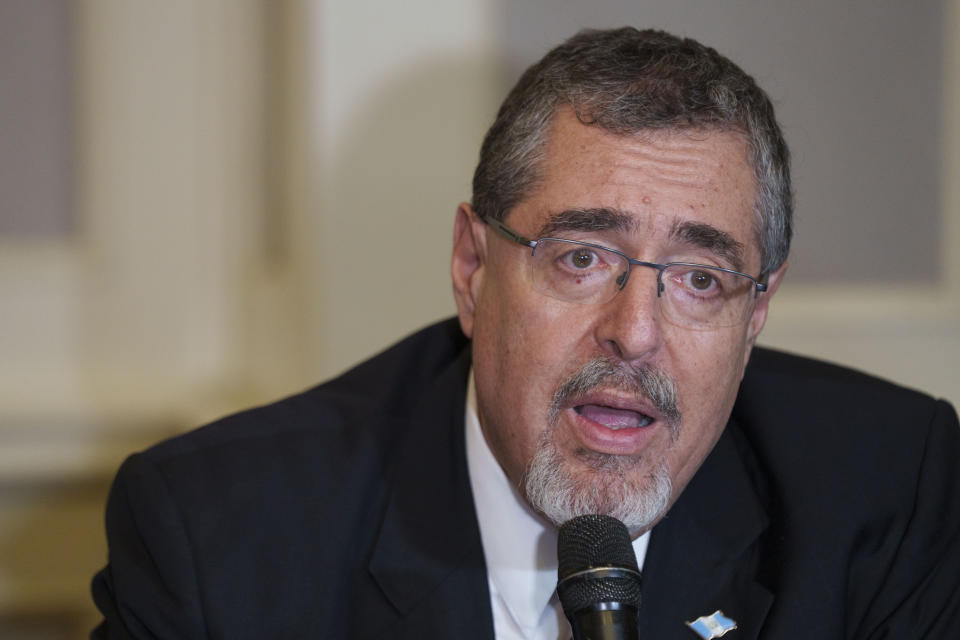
x=598, y=580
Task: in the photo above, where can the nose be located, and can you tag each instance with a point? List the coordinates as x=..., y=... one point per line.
x=630, y=325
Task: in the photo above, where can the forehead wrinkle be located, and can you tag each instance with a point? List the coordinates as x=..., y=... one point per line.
x=677, y=164
x=596, y=219
x=706, y=236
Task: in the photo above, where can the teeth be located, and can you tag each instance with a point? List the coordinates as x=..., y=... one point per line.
x=642, y=422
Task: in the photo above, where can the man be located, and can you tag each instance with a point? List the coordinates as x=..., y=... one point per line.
x=629, y=225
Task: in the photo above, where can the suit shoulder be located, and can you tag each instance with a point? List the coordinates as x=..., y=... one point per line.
x=811, y=416
x=780, y=378
x=364, y=408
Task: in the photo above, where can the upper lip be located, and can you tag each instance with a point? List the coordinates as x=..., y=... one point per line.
x=616, y=400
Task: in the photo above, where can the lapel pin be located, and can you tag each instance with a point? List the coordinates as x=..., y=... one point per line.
x=712, y=626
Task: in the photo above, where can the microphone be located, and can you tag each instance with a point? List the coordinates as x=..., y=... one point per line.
x=598, y=580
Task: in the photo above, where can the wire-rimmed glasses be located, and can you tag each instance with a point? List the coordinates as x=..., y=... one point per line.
x=695, y=296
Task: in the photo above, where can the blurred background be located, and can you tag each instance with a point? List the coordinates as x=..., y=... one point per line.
x=205, y=204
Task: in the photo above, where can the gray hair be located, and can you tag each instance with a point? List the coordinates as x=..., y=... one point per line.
x=625, y=81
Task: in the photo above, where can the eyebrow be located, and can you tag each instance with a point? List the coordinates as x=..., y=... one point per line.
x=602, y=219
x=708, y=237
x=697, y=234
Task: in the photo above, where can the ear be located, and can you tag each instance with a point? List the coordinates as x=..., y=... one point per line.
x=759, y=317
x=467, y=264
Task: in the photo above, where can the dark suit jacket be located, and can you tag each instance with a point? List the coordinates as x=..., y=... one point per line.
x=830, y=508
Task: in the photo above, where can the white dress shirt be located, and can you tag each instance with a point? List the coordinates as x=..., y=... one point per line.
x=519, y=545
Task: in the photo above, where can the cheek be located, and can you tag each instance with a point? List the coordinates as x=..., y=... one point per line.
x=708, y=367
x=527, y=331
x=524, y=346
x=505, y=347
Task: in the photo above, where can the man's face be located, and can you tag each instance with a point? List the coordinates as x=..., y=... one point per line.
x=528, y=346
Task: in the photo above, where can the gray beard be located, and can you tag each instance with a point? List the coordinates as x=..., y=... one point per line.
x=602, y=486
x=603, y=483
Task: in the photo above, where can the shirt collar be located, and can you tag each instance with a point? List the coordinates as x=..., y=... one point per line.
x=519, y=545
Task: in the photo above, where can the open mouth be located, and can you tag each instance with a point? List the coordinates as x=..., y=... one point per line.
x=613, y=418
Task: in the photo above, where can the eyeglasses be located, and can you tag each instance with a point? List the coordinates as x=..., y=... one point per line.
x=695, y=296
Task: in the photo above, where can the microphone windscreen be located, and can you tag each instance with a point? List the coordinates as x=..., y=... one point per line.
x=594, y=542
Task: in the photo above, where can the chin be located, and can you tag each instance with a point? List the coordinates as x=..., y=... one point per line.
x=593, y=483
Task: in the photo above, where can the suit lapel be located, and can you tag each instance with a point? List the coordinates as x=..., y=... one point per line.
x=704, y=555
x=428, y=559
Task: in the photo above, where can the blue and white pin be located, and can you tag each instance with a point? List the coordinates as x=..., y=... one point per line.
x=712, y=626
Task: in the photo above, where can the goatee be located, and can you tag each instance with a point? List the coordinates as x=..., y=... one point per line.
x=592, y=482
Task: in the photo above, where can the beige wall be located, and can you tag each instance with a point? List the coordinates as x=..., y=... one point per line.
x=264, y=197
x=909, y=333
x=135, y=325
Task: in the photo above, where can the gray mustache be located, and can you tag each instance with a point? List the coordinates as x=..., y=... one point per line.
x=609, y=373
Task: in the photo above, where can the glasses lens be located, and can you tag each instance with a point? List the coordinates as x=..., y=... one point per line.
x=701, y=296
x=695, y=296
x=576, y=271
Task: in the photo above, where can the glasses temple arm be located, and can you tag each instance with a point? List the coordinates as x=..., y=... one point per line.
x=507, y=232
